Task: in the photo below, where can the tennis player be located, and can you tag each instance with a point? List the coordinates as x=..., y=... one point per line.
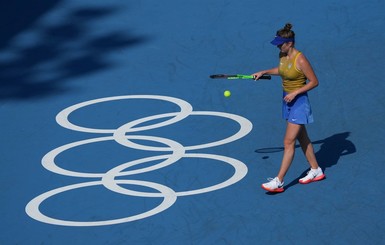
x=298, y=78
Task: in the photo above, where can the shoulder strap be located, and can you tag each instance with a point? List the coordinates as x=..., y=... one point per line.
x=295, y=60
x=296, y=56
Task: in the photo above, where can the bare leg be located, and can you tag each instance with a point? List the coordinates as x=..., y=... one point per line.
x=307, y=148
x=292, y=132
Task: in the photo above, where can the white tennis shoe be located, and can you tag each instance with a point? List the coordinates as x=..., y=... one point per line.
x=312, y=175
x=274, y=185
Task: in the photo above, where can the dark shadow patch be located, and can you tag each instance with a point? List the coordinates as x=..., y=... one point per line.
x=62, y=51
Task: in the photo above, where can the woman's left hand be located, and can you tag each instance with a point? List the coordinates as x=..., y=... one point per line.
x=290, y=97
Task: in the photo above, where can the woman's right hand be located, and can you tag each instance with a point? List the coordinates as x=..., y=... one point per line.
x=257, y=75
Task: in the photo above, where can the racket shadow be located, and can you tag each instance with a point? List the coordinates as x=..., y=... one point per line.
x=269, y=150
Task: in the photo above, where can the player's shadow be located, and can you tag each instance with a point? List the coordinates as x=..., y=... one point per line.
x=331, y=149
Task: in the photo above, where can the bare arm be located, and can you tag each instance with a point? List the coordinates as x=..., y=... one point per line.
x=272, y=71
x=304, y=65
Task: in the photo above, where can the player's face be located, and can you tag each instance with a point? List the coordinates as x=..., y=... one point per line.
x=284, y=48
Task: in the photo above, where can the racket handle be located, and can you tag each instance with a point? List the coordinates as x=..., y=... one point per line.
x=267, y=77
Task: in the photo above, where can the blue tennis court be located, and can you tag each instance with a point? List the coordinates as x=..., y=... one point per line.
x=113, y=132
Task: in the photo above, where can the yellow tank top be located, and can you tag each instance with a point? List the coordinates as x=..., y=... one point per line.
x=292, y=78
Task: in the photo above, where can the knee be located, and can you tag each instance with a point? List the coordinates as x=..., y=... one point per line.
x=288, y=143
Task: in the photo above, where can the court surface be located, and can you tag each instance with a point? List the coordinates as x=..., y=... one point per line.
x=113, y=133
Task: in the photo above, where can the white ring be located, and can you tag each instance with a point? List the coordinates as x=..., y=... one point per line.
x=62, y=117
x=49, y=163
x=245, y=128
x=110, y=182
x=32, y=208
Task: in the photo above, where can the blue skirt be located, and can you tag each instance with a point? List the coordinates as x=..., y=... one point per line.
x=297, y=111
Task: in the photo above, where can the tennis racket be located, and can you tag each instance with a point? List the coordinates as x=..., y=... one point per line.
x=237, y=76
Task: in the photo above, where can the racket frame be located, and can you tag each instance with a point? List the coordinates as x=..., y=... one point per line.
x=237, y=76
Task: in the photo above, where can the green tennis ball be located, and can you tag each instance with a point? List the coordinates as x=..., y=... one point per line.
x=227, y=93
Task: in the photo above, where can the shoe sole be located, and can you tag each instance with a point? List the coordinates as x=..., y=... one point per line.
x=321, y=177
x=280, y=189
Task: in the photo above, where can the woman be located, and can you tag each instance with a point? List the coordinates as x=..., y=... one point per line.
x=294, y=70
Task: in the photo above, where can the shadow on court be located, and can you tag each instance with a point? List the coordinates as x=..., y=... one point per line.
x=18, y=15
x=331, y=150
x=55, y=52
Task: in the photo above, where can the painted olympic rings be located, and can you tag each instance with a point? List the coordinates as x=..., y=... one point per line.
x=175, y=152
